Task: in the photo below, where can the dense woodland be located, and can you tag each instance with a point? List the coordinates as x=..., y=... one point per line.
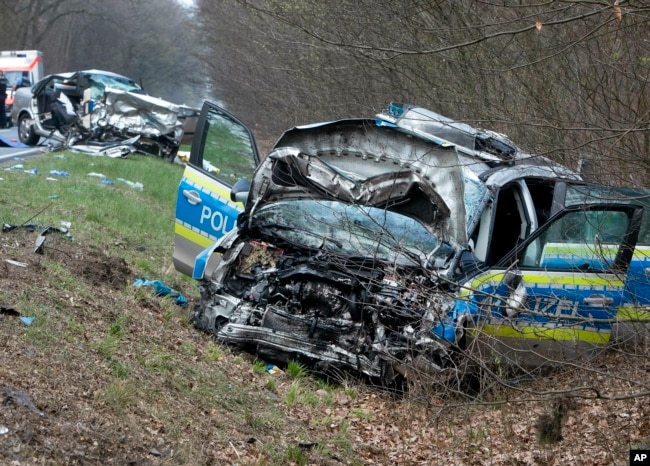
x=568, y=79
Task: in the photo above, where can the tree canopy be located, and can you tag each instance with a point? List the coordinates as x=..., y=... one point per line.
x=564, y=79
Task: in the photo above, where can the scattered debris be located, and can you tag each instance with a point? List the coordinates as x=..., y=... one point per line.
x=135, y=185
x=44, y=230
x=27, y=320
x=270, y=394
x=19, y=398
x=40, y=239
x=105, y=180
x=163, y=453
x=161, y=290
x=307, y=445
x=9, y=311
x=16, y=263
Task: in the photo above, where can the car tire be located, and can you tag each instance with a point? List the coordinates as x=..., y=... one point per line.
x=26, y=133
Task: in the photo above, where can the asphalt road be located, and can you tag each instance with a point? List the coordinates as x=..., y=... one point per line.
x=8, y=153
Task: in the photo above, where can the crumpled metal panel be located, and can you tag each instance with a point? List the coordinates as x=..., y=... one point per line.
x=340, y=156
x=549, y=170
x=403, y=191
x=141, y=114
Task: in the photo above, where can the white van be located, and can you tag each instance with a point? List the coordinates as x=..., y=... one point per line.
x=14, y=63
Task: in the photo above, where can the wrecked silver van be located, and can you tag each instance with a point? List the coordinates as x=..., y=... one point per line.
x=96, y=110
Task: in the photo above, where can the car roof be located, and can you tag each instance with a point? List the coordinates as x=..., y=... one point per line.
x=72, y=74
x=69, y=74
x=485, y=144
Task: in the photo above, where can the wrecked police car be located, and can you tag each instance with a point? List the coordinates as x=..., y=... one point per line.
x=91, y=110
x=373, y=246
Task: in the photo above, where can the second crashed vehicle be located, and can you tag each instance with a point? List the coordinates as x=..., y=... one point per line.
x=108, y=109
x=392, y=249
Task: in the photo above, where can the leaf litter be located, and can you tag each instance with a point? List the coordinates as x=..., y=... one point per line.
x=107, y=374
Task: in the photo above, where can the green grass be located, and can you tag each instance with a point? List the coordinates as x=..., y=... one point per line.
x=119, y=352
x=214, y=351
x=293, y=393
x=118, y=395
x=259, y=367
x=141, y=222
x=108, y=346
x=117, y=327
x=296, y=370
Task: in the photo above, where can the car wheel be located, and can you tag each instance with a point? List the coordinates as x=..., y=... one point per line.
x=26, y=131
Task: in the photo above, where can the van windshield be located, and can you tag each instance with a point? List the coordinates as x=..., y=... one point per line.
x=352, y=230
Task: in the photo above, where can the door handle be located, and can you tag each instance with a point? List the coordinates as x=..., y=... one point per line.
x=192, y=196
x=647, y=271
x=598, y=300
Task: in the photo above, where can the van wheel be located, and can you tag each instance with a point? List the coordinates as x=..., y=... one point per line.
x=26, y=131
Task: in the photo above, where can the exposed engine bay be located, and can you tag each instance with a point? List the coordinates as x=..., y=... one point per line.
x=333, y=312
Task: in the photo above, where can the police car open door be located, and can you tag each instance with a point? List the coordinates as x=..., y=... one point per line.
x=557, y=297
x=223, y=151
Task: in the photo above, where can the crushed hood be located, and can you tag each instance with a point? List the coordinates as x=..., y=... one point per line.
x=358, y=162
x=139, y=113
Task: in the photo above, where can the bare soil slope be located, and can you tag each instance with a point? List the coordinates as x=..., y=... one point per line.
x=110, y=374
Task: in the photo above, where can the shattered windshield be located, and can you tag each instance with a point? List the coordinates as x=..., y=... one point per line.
x=352, y=230
x=475, y=192
x=100, y=82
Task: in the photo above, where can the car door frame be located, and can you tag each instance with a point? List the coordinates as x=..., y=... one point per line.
x=522, y=339
x=204, y=209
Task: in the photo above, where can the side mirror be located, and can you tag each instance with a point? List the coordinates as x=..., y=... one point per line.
x=240, y=190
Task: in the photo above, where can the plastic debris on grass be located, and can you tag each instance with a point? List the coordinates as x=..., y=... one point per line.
x=59, y=173
x=135, y=185
x=26, y=320
x=160, y=289
x=105, y=180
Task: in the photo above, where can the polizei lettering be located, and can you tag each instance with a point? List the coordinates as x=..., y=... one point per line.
x=556, y=307
x=219, y=222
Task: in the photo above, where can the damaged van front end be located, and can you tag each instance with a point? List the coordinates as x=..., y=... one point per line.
x=346, y=234
x=398, y=249
x=97, y=112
